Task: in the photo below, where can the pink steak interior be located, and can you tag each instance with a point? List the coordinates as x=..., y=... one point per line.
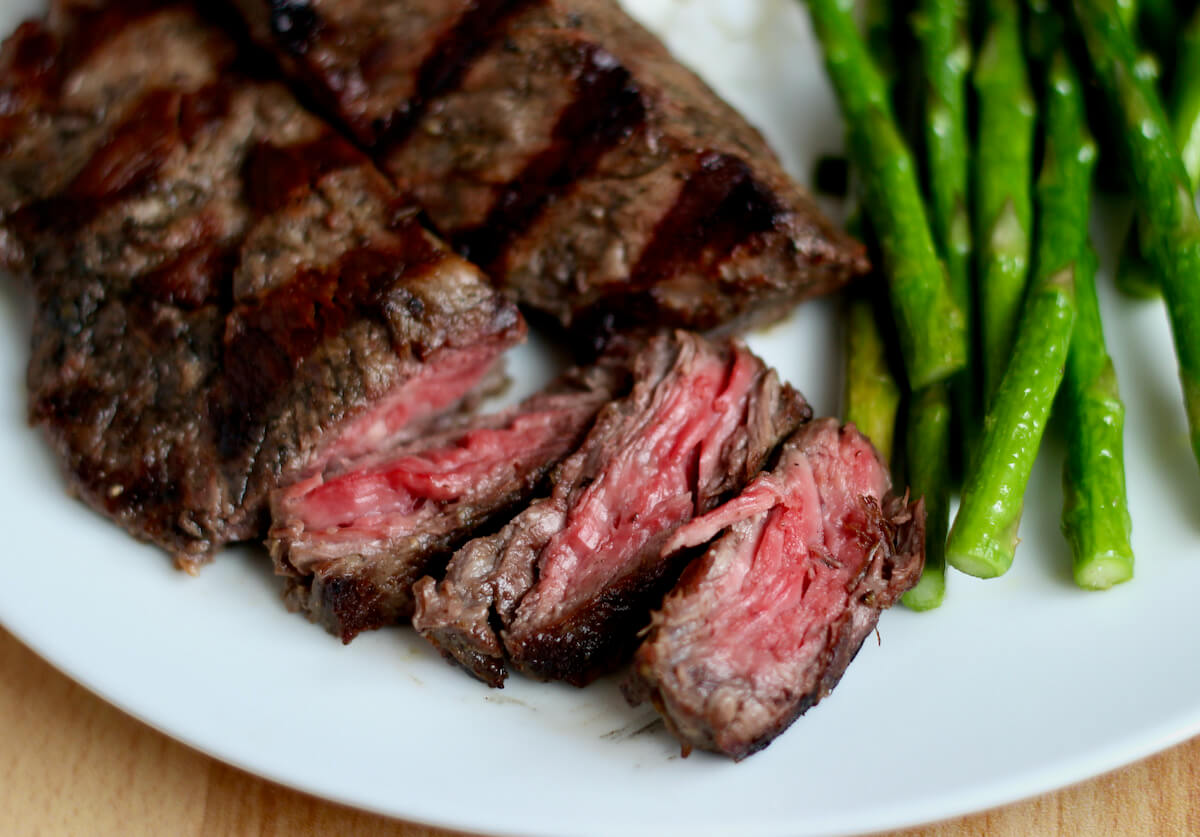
x=789, y=578
x=650, y=487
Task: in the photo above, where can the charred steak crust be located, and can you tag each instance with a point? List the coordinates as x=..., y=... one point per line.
x=558, y=143
x=764, y=624
x=220, y=280
x=353, y=541
x=561, y=591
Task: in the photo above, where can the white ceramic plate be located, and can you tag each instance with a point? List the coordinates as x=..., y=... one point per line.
x=1014, y=687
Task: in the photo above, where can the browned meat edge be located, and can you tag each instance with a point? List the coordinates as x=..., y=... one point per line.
x=558, y=144
x=221, y=281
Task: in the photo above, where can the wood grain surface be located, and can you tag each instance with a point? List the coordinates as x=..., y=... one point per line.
x=72, y=764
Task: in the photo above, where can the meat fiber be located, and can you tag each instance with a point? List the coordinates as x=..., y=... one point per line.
x=227, y=292
x=352, y=540
x=560, y=592
x=558, y=144
x=764, y=624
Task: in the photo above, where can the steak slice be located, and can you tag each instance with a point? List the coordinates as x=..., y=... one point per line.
x=558, y=144
x=764, y=624
x=354, y=539
x=227, y=293
x=561, y=591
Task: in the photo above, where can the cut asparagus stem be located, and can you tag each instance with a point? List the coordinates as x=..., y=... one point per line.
x=1095, y=517
x=931, y=327
x=984, y=536
x=1162, y=189
x=928, y=442
x=941, y=30
x=1003, y=181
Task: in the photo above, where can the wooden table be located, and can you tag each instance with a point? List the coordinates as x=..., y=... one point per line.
x=72, y=764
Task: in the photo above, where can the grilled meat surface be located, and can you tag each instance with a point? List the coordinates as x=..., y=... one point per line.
x=765, y=623
x=561, y=591
x=227, y=292
x=559, y=145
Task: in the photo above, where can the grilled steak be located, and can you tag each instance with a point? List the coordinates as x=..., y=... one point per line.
x=561, y=591
x=558, y=144
x=227, y=292
x=764, y=624
x=354, y=539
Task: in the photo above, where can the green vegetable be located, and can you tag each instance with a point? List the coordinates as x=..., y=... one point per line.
x=1162, y=188
x=941, y=28
x=931, y=327
x=1003, y=185
x=1158, y=25
x=1135, y=276
x=1185, y=99
x=1095, y=516
x=928, y=448
x=984, y=536
x=941, y=32
x=872, y=397
x=1128, y=10
x=878, y=28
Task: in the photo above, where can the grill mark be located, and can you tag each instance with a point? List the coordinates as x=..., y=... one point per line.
x=130, y=158
x=719, y=207
x=35, y=67
x=276, y=175
x=94, y=27
x=199, y=276
x=268, y=339
x=134, y=151
x=207, y=106
x=42, y=59
x=607, y=108
x=123, y=166
x=442, y=71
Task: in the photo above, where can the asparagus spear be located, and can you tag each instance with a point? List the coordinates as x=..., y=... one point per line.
x=1162, y=189
x=878, y=29
x=1136, y=277
x=941, y=28
x=872, y=397
x=1128, y=10
x=984, y=536
x=1185, y=99
x=941, y=31
x=928, y=448
x=931, y=327
x=1158, y=25
x=1003, y=178
x=1095, y=516
x=1043, y=34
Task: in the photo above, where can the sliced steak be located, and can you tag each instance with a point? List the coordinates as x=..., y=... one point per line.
x=353, y=540
x=558, y=143
x=561, y=591
x=764, y=624
x=227, y=292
